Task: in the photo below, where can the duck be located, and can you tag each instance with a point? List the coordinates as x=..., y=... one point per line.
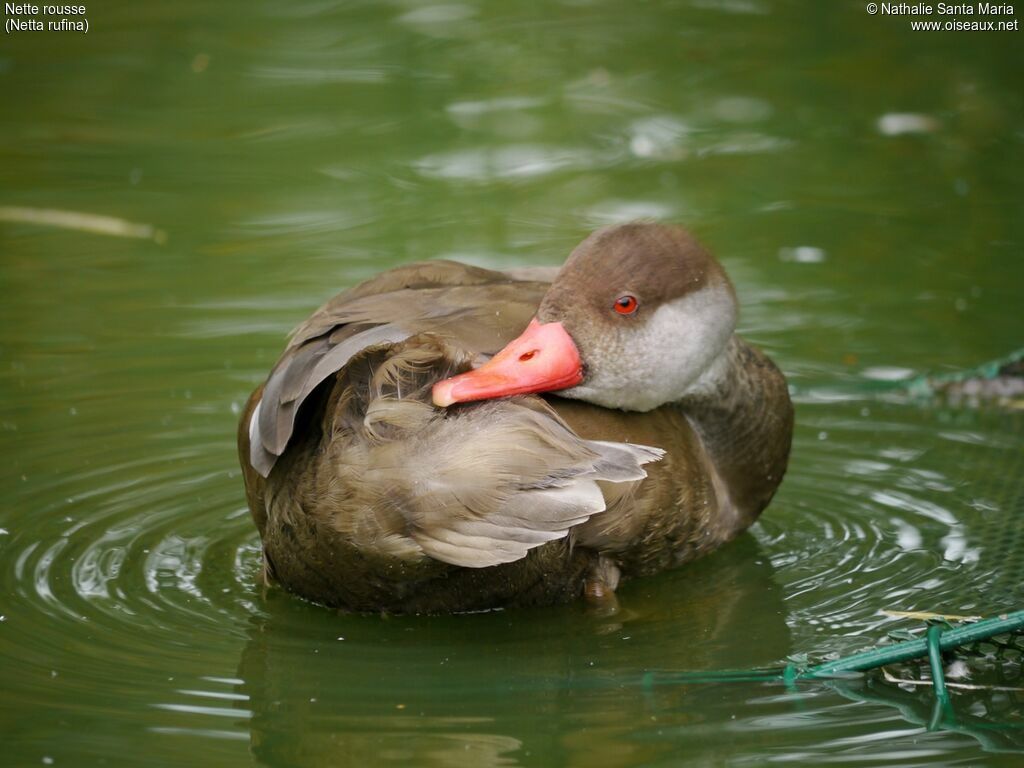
x=445, y=438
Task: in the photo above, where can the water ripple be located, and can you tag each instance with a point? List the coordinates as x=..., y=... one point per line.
x=150, y=555
x=875, y=524
x=506, y=162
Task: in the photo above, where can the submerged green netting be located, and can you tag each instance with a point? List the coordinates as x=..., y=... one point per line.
x=998, y=386
x=998, y=381
x=982, y=660
x=1010, y=366
x=996, y=645
x=1004, y=633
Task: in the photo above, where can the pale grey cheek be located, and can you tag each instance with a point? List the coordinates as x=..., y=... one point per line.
x=602, y=380
x=619, y=370
x=611, y=365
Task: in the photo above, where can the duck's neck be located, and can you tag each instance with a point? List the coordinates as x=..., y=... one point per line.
x=741, y=410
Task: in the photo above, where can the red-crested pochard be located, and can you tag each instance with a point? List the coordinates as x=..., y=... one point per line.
x=399, y=457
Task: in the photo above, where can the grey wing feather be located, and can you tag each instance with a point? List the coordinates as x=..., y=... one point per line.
x=621, y=462
x=486, y=486
x=291, y=382
x=260, y=458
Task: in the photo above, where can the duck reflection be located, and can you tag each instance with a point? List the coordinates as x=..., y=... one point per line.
x=563, y=685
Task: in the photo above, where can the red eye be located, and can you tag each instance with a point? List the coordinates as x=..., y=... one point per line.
x=626, y=305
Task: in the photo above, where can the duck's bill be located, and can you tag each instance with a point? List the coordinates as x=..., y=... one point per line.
x=543, y=359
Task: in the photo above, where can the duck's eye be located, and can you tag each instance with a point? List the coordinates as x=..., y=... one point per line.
x=626, y=305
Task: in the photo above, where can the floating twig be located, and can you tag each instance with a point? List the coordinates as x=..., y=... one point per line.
x=83, y=222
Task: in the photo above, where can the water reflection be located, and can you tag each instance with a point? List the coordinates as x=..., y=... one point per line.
x=992, y=717
x=496, y=689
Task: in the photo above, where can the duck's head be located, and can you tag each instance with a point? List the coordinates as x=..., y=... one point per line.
x=636, y=318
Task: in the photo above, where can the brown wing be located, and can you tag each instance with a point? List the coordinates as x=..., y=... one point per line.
x=476, y=310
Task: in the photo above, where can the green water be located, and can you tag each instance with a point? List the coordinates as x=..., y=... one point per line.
x=278, y=152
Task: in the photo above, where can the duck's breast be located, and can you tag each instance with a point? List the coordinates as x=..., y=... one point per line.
x=675, y=514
